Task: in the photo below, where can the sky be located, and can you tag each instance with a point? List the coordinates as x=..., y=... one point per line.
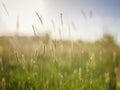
x=82, y=19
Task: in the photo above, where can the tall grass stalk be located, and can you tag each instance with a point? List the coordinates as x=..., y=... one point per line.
x=91, y=14
x=83, y=14
x=1, y=63
x=69, y=30
x=4, y=6
x=35, y=34
x=53, y=25
x=73, y=25
x=39, y=17
x=44, y=49
x=61, y=17
x=3, y=84
x=17, y=26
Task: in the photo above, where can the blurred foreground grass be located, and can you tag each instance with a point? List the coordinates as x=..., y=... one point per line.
x=33, y=63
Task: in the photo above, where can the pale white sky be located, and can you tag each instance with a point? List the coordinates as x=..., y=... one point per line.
x=103, y=20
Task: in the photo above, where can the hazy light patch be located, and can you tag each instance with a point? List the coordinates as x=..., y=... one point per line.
x=25, y=9
x=92, y=29
x=88, y=29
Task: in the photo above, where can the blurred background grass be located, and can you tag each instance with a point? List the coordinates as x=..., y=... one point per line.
x=40, y=63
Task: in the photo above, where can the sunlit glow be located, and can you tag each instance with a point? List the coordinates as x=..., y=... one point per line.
x=86, y=28
x=25, y=9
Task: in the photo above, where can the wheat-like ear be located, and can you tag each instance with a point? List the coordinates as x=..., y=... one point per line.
x=91, y=13
x=3, y=83
x=44, y=49
x=84, y=15
x=40, y=18
x=34, y=30
x=17, y=56
x=114, y=56
x=61, y=17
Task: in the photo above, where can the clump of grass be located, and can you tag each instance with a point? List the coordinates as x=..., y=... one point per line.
x=28, y=64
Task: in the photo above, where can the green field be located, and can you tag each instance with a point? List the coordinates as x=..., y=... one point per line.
x=39, y=63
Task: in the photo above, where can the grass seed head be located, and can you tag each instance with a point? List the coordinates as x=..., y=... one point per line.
x=39, y=17
x=107, y=77
x=3, y=83
x=61, y=17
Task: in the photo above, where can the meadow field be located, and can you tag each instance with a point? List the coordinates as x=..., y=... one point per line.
x=40, y=63
x=43, y=47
